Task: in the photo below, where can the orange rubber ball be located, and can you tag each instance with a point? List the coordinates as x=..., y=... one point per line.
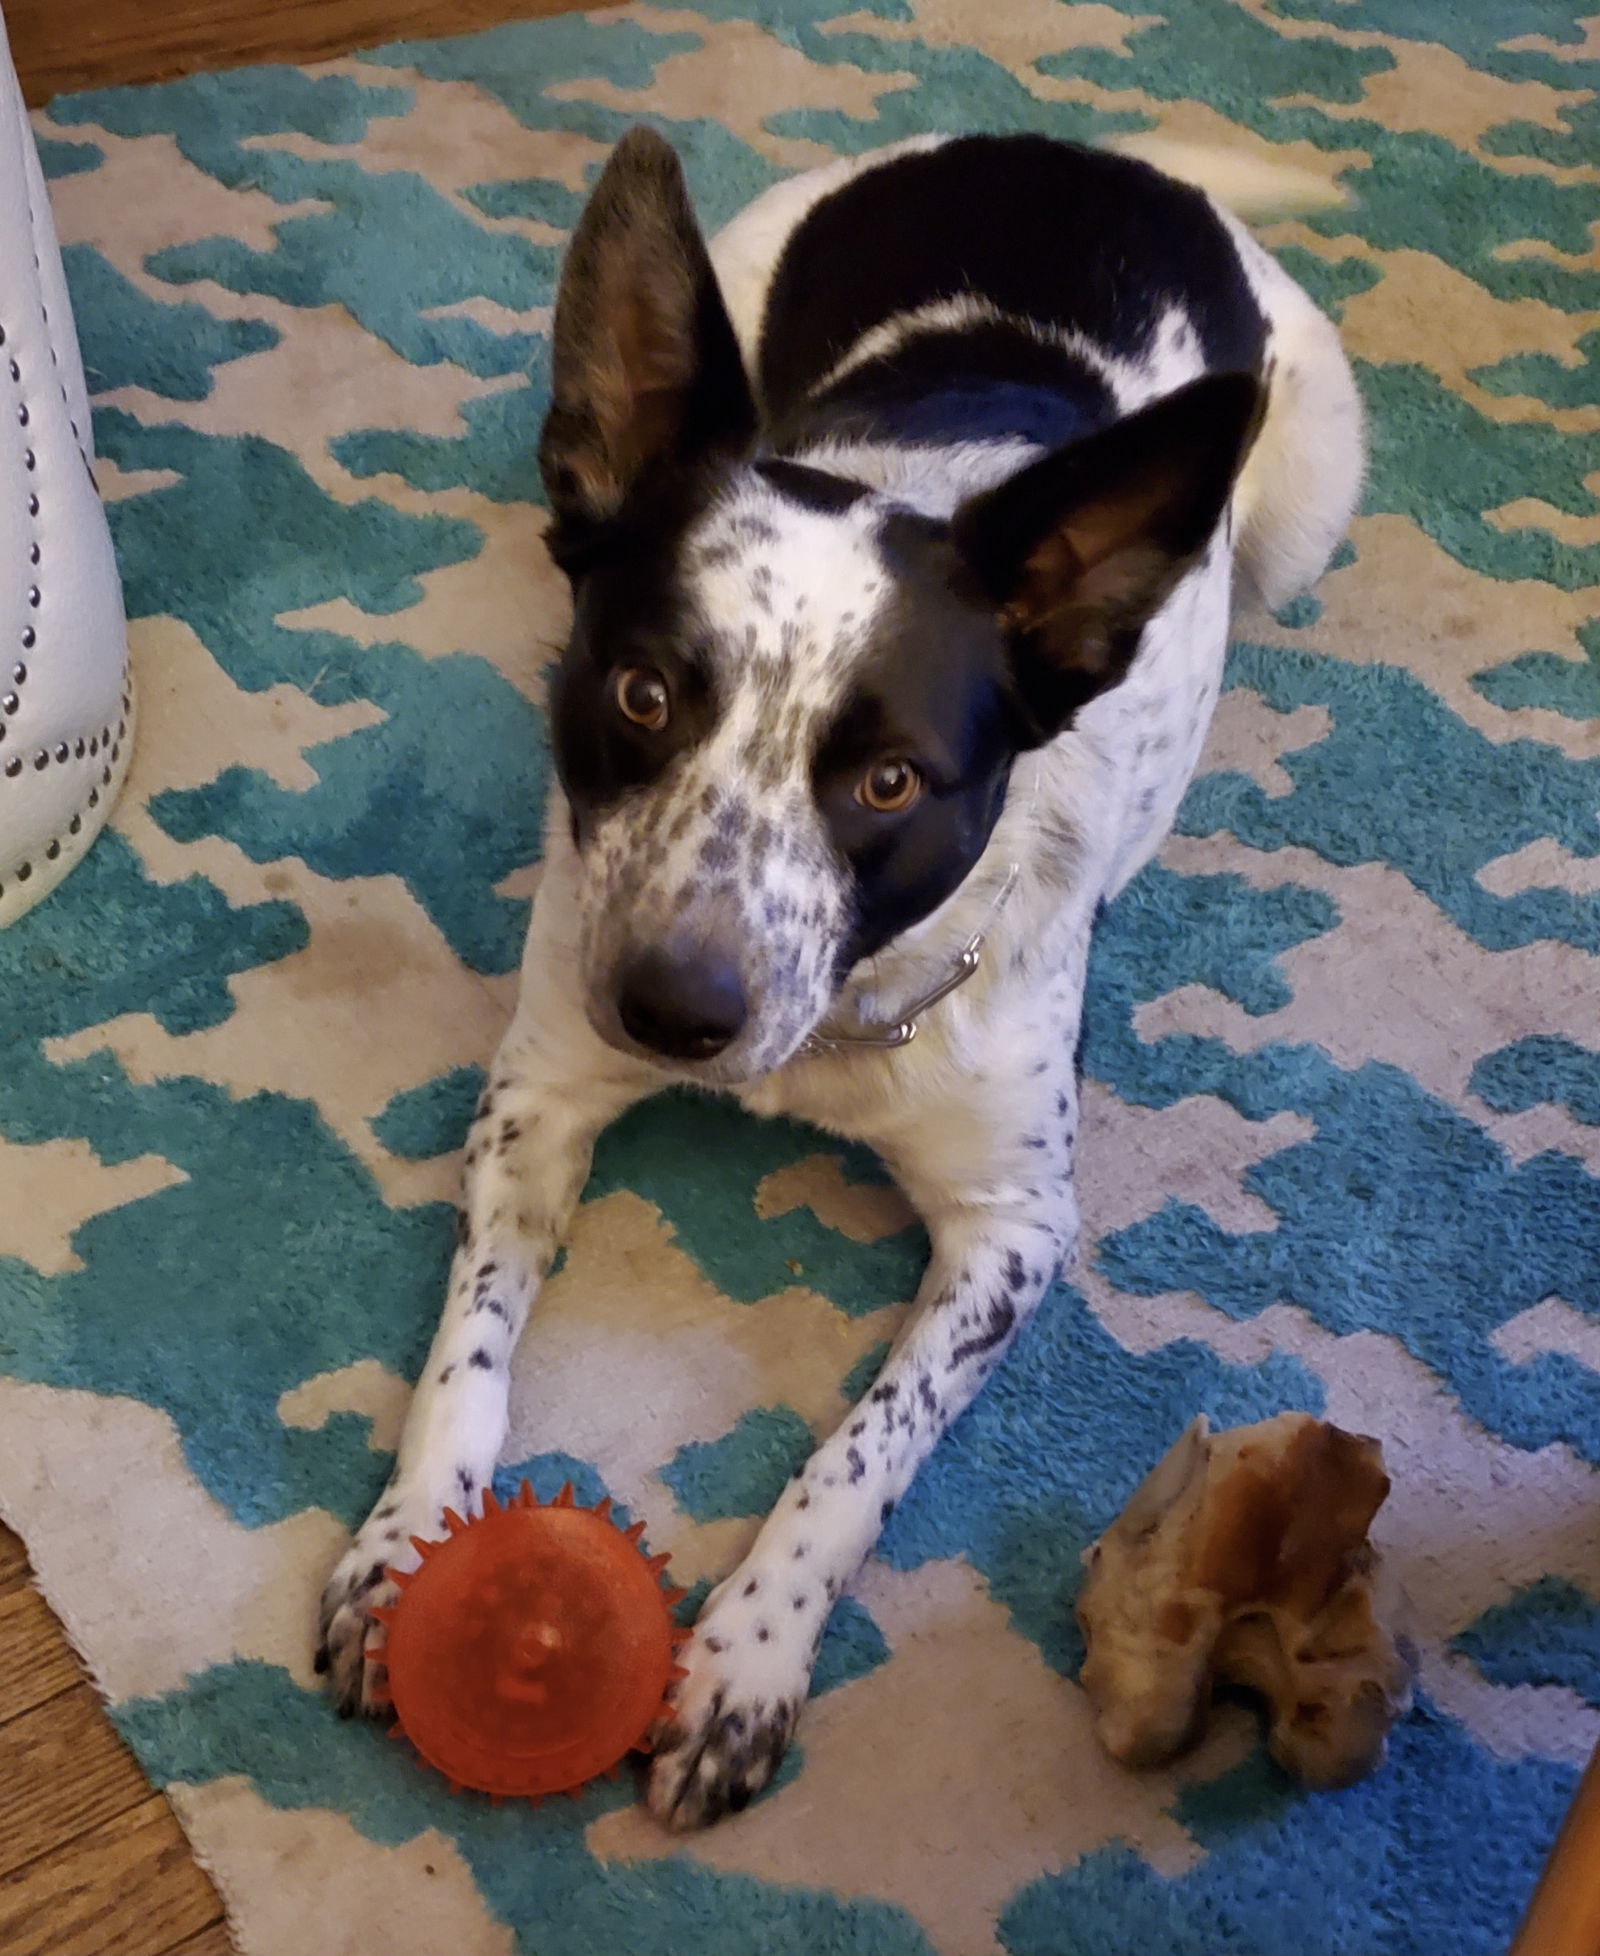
x=532, y=1648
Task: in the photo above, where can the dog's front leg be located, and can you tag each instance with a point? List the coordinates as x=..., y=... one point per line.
x=552, y=1089
x=750, y=1659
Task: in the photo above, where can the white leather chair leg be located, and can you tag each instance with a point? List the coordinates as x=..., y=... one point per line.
x=66, y=710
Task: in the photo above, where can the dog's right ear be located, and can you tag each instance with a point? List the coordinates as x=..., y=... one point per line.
x=644, y=364
x=1079, y=550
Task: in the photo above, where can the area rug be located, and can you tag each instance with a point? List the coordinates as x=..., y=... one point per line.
x=1342, y=1144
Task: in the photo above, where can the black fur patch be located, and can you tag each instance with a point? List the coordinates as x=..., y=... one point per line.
x=1077, y=238
x=629, y=610
x=1001, y=1322
x=935, y=689
x=812, y=489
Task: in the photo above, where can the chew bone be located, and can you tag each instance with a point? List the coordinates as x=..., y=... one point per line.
x=1244, y=1558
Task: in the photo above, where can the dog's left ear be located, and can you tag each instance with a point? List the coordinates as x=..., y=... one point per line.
x=644, y=364
x=1080, y=550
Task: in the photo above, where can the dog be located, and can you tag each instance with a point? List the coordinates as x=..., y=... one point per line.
x=902, y=525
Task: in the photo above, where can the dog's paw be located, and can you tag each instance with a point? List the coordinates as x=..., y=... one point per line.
x=350, y=1636
x=735, y=1712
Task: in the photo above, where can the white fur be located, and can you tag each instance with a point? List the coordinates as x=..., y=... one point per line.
x=1302, y=481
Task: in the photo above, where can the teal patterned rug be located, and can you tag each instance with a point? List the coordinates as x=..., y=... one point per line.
x=1342, y=1144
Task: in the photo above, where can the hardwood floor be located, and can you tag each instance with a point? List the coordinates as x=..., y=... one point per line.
x=69, y=44
x=92, y=1860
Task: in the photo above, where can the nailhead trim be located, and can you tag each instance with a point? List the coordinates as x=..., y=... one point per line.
x=11, y=702
x=29, y=636
x=113, y=745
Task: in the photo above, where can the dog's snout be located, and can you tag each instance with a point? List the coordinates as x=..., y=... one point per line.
x=682, y=1007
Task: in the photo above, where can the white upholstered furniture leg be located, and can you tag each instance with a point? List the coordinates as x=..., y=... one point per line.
x=66, y=714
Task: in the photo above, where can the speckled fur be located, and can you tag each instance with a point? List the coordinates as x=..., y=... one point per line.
x=731, y=844
x=977, y=1117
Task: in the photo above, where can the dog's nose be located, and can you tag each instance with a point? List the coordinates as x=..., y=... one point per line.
x=681, y=1007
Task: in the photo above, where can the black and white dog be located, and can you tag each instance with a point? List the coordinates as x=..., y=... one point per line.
x=901, y=526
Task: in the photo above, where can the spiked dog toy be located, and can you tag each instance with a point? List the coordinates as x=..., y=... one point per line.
x=532, y=1648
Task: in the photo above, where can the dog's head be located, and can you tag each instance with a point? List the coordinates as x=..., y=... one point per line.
x=789, y=707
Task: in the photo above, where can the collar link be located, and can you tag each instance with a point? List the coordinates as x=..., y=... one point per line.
x=886, y=1036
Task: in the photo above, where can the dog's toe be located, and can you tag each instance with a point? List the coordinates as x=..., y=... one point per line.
x=350, y=1639
x=732, y=1715
x=718, y=1763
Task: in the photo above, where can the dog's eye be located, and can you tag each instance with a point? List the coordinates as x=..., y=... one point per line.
x=642, y=697
x=889, y=786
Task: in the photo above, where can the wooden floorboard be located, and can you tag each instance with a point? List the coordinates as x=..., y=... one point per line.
x=92, y=1859
x=126, y=1886
x=13, y=1561
x=212, y=1940
x=62, y=45
x=35, y=1660
x=63, y=1770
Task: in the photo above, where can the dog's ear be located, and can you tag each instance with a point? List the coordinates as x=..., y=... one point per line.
x=644, y=363
x=1079, y=550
